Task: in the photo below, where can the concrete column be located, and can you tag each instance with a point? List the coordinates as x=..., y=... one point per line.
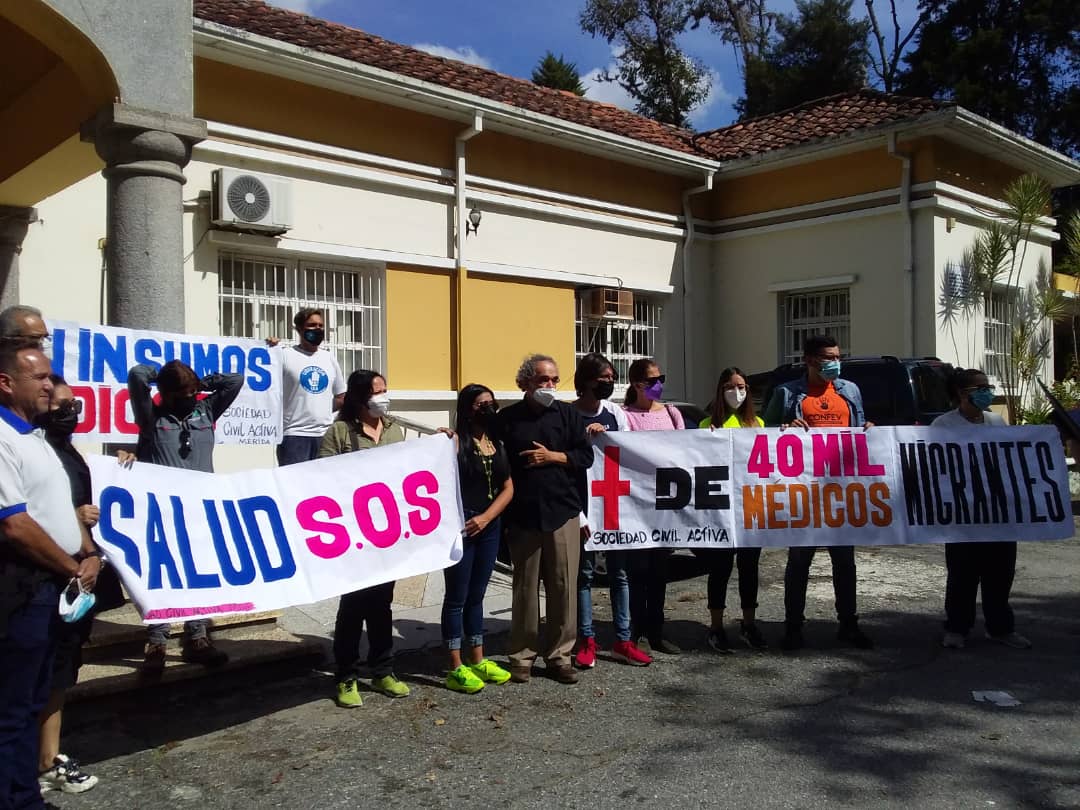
x=145, y=153
x=14, y=223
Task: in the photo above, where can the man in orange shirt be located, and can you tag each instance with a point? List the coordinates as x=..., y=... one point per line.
x=820, y=400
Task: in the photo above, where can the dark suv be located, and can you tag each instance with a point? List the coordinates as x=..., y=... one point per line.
x=895, y=391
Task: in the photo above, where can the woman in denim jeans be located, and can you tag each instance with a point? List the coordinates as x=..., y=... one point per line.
x=486, y=490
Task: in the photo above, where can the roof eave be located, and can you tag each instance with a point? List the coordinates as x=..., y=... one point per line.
x=272, y=56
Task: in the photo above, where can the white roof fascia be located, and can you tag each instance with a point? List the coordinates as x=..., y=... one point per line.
x=1015, y=149
x=265, y=55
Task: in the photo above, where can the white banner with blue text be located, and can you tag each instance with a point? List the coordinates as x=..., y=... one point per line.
x=190, y=545
x=749, y=487
x=94, y=361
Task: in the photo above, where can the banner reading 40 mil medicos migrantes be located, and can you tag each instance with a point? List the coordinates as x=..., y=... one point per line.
x=94, y=360
x=883, y=486
x=190, y=544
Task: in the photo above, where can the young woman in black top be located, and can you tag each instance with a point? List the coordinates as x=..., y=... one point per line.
x=486, y=490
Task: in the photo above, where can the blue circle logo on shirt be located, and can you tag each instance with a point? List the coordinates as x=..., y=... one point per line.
x=314, y=380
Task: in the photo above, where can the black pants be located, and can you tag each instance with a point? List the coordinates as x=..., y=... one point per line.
x=720, y=562
x=371, y=605
x=993, y=565
x=648, y=570
x=797, y=575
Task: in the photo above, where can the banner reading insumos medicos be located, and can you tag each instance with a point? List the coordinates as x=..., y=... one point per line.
x=94, y=360
x=882, y=486
x=190, y=544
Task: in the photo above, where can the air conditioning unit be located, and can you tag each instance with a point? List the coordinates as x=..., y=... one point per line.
x=609, y=302
x=246, y=201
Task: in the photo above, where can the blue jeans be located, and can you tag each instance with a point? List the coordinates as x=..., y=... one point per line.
x=193, y=630
x=25, y=677
x=466, y=584
x=297, y=449
x=619, y=587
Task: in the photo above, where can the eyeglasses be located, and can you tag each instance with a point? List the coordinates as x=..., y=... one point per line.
x=543, y=379
x=982, y=389
x=654, y=380
x=73, y=407
x=185, y=441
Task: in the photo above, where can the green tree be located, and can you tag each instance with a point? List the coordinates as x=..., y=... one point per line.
x=745, y=24
x=1016, y=62
x=555, y=72
x=664, y=82
x=819, y=51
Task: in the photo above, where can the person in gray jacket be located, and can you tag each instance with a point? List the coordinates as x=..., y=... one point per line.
x=178, y=431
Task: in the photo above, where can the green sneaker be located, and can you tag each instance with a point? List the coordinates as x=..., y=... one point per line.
x=462, y=679
x=348, y=696
x=390, y=686
x=488, y=670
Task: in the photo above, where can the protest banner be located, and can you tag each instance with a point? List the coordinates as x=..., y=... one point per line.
x=190, y=544
x=94, y=360
x=884, y=486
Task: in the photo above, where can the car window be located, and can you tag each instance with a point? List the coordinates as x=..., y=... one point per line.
x=931, y=389
x=877, y=384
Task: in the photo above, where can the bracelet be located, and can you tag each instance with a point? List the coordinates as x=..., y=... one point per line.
x=97, y=552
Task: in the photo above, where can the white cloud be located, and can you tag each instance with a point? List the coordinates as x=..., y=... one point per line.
x=303, y=6
x=718, y=94
x=465, y=53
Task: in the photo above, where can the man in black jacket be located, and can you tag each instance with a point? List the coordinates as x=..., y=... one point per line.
x=546, y=442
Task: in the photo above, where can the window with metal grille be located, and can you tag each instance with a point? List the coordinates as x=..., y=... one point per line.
x=821, y=312
x=259, y=296
x=621, y=340
x=996, y=333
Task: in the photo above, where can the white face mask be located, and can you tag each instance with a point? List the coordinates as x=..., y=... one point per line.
x=544, y=396
x=379, y=404
x=734, y=397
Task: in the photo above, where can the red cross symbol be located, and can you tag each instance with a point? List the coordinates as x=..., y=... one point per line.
x=611, y=487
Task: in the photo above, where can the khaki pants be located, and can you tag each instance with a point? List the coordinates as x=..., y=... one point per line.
x=553, y=557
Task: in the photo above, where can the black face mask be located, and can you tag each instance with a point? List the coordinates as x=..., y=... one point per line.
x=182, y=406
x=603, y=389
x=314, y=336
x=58, y=424
x=485, y=412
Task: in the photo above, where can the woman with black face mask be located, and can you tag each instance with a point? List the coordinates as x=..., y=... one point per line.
x=486, y=490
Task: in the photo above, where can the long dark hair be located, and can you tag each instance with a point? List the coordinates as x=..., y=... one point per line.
x=638, y=373
x=463, y=421
x=357, y=394
x=720, y=409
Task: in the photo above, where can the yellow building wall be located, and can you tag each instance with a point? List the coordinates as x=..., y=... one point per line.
x=969, y=170
x=419, y=339
x=503, y=321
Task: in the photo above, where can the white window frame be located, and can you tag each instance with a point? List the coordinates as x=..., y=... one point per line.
x=822, y=314
x=272, y=289
x=621, y=340
x=996, y=333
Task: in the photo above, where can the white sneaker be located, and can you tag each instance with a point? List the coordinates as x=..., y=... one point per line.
x=953, y=641
x=1014, y=640
x=66, y=776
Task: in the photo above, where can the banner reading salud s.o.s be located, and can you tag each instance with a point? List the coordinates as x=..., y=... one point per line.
x=883, y=486
x=94, y=360
x=189, y=544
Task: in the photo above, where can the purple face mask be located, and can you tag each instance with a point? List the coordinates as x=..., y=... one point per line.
x=654, y=391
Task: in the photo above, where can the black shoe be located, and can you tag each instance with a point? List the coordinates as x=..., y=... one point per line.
x=718, y=640
x=202, y=651
x=753, y=638
x=792, y=640
x=853, y=635
x=659, y=644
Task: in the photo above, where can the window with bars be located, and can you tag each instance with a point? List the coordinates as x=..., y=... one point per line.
x=621, y=340
x=996, y=333
x=821, y=312
x=259, y=296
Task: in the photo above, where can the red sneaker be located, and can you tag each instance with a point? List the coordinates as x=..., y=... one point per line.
x=628, y=653
x=585, y=658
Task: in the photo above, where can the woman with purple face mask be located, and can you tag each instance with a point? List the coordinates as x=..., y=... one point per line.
x=648, y=567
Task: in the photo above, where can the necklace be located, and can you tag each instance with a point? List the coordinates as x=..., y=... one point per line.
x=483, y=445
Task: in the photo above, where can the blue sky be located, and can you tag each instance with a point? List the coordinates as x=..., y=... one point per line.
x=510, y=36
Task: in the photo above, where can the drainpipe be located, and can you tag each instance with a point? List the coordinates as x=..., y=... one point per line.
x=460, y=218
x=909, y=246
x=688, y=219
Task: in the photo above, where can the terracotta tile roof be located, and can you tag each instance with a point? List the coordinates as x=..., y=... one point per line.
x=338, y=40
x=816, y=120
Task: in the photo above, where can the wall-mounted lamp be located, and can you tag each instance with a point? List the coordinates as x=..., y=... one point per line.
x=473, y=225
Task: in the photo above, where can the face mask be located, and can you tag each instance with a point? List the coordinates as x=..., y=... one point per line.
x=654, y=391
x=314, y=336
x=830, y=369
x=544, y=396
x=379, y=404
x=485, y=412
x=59, y=424
x=75, y=602
x=981, y=399
x=734, y=397
x=604, y=389
x=182, y=406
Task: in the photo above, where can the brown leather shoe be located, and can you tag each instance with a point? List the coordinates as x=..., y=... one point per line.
x=520, y=674
x=563, y=674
